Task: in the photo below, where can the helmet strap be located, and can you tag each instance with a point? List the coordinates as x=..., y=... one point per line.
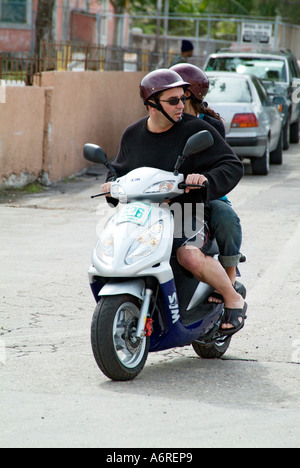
x=160, y=108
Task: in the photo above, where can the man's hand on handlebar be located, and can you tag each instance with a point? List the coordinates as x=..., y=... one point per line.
x=105, y=188
x=195, y=179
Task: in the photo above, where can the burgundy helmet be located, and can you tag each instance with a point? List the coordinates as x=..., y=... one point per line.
x=158, y=81
x=199, y=83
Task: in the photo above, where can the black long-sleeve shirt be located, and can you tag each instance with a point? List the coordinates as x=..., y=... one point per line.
x=141, y=148
x=217, y=124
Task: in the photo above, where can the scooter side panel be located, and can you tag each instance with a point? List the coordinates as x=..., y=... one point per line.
x=176, y=334
x=172, y=330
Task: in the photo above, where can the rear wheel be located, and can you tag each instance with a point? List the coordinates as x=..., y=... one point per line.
x=212, y=351
x=118, y=353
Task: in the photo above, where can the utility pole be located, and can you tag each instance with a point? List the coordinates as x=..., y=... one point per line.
x=44, y=21
x=158, y=22
x=166, y=28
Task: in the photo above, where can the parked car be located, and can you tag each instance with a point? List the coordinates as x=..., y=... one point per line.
x=252, y=120
x=279, y=72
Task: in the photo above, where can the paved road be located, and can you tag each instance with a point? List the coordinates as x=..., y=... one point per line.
x=51, y=391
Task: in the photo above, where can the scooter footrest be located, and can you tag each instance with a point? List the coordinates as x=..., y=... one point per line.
x=189, y=317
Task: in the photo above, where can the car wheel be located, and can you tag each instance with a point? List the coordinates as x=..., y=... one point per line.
x=286, y=135
x=261, y=166
x=295, y=127
x=276, y=155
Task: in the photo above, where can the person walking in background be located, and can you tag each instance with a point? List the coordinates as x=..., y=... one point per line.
x=187, y=51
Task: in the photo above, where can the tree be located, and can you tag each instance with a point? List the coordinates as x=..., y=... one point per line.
x=44, y=22
x=290, y=11
x=120, y=7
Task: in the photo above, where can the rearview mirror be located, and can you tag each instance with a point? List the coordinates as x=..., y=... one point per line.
x=296, y=83
x=197, y=143
x=94, y=154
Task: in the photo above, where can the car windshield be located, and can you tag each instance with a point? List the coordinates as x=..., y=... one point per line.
x=228, y=89
x=263, y=68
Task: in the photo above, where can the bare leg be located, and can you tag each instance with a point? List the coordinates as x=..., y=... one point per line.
x=231, y=272
x=211, y=272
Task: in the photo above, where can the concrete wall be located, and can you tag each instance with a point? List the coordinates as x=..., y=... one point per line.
x=21, y=135
x=289, y=38
x=43, y=129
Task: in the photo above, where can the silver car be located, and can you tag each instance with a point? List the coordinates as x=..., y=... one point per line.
x=252, y=120
x=279, y=72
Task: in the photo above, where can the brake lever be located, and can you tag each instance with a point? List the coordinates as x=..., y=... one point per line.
x=100, y=195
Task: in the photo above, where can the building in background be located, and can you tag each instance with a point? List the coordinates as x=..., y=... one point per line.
x=84, y=21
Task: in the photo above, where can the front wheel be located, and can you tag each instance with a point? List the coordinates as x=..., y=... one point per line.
x=119, y=354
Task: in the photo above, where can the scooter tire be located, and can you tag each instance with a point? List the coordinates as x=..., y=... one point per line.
x=112, y=332
x=212, y=351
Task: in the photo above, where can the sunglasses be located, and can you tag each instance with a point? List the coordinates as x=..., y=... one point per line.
x=174, y=101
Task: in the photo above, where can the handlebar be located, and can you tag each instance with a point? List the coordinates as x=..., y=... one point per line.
x=184, y=185
x=100, y=195
x=181, y=186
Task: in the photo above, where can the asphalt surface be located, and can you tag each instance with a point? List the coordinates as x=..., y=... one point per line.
x=52, y=394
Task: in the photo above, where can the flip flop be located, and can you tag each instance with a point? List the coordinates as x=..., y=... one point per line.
x=232, y=316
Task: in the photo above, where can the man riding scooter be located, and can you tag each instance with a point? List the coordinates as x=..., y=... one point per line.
x=224, y=222
x=156, y=141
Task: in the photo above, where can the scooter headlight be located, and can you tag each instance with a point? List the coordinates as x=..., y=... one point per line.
x=145, y=244
x=106, y=246
x=162, y=187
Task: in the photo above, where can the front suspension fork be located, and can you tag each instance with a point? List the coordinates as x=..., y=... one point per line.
x=141, y=326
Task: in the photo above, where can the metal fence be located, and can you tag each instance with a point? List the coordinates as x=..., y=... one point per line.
x=18, y=69
x=21, y=68
x=76, y=57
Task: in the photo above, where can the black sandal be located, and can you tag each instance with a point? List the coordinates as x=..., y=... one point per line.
x=239, y=287
x=232, y=316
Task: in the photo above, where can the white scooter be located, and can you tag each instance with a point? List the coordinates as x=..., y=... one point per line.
x=145, y=301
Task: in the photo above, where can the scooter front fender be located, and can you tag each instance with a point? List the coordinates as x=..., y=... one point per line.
x=134, y=288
